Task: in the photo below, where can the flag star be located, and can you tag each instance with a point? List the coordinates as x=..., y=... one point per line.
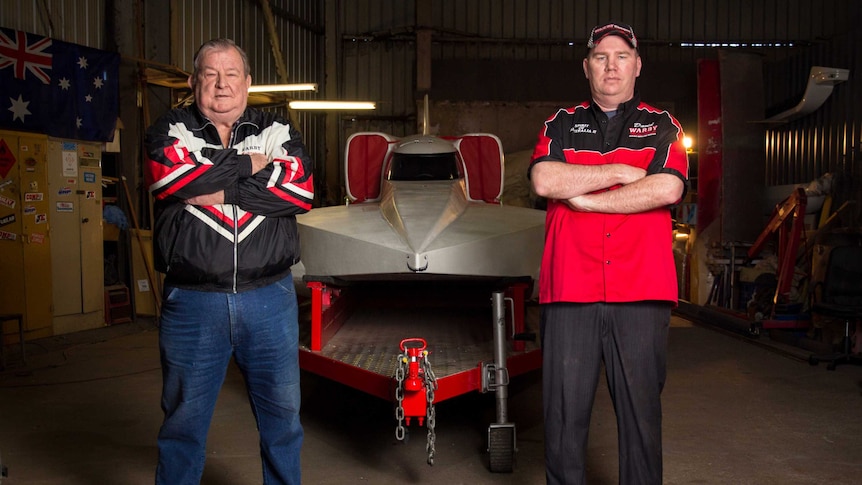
x=88, y=98
x=19, y=108
x=97, y=82
x=65, y=84
x=78, y=122
x=82, y=62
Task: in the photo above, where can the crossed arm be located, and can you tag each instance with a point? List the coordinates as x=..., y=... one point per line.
x=258, y=162
x=274, y=180
x=583, y=187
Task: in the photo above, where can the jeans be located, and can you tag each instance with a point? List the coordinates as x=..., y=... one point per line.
x=199, y=333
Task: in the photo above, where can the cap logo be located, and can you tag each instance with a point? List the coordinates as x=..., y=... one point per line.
x=623, y=31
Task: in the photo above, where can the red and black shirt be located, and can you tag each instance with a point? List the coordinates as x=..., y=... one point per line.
x=593, y=257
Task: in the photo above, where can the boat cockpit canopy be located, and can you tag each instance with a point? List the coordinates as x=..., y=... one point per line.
x=424, y=166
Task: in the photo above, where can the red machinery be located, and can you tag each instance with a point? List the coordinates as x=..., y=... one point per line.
x=788, y=220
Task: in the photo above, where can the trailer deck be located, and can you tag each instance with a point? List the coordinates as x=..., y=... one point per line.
x=456, y=320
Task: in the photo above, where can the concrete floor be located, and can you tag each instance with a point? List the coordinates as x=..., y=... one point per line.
x=85, y=410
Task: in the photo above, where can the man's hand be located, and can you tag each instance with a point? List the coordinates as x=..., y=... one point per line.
x=207, y=199
x=258, y=162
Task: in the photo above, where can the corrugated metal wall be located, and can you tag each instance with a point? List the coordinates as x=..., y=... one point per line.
x=379, y=60
x=830, y=139
x=299, y=24
x=377, y=54
x=380, y=63
x=557, y=29
x=77, y=21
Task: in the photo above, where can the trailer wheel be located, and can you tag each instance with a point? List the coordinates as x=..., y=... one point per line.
x=501, y=448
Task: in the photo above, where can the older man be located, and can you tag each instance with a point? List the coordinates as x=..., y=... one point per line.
x=228, y=181
x=610, y=168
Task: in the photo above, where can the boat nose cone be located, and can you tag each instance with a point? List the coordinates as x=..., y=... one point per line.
x=417, y=262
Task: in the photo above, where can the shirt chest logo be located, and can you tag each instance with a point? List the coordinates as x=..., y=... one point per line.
x=640, y=130
x=582, y=128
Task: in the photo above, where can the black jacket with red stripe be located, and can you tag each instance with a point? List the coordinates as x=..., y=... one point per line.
x=249, y=241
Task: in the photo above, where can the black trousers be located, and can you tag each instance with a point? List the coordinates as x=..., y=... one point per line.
x=631, y=339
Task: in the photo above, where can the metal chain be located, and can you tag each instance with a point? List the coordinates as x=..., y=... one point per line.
x=430, y=387
x=430, y=381
x=400, y=371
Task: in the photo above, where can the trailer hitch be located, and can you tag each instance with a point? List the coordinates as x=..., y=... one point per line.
x=413, y=374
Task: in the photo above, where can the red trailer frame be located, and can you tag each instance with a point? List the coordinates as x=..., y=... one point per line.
x=331, y=308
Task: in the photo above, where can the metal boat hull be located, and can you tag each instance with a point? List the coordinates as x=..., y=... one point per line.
x=424, y=230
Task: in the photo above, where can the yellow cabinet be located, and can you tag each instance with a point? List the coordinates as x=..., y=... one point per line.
x=75, y=197
x=51, y=252
x=25, y=243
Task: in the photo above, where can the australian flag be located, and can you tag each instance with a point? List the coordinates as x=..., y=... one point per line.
x=62, y=89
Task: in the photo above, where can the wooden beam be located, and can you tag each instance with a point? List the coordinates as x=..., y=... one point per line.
x=274, y=42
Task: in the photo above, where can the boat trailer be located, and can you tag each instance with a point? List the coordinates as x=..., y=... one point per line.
x=382, y=338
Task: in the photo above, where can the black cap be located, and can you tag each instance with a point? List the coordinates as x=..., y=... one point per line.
x=622, y=30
